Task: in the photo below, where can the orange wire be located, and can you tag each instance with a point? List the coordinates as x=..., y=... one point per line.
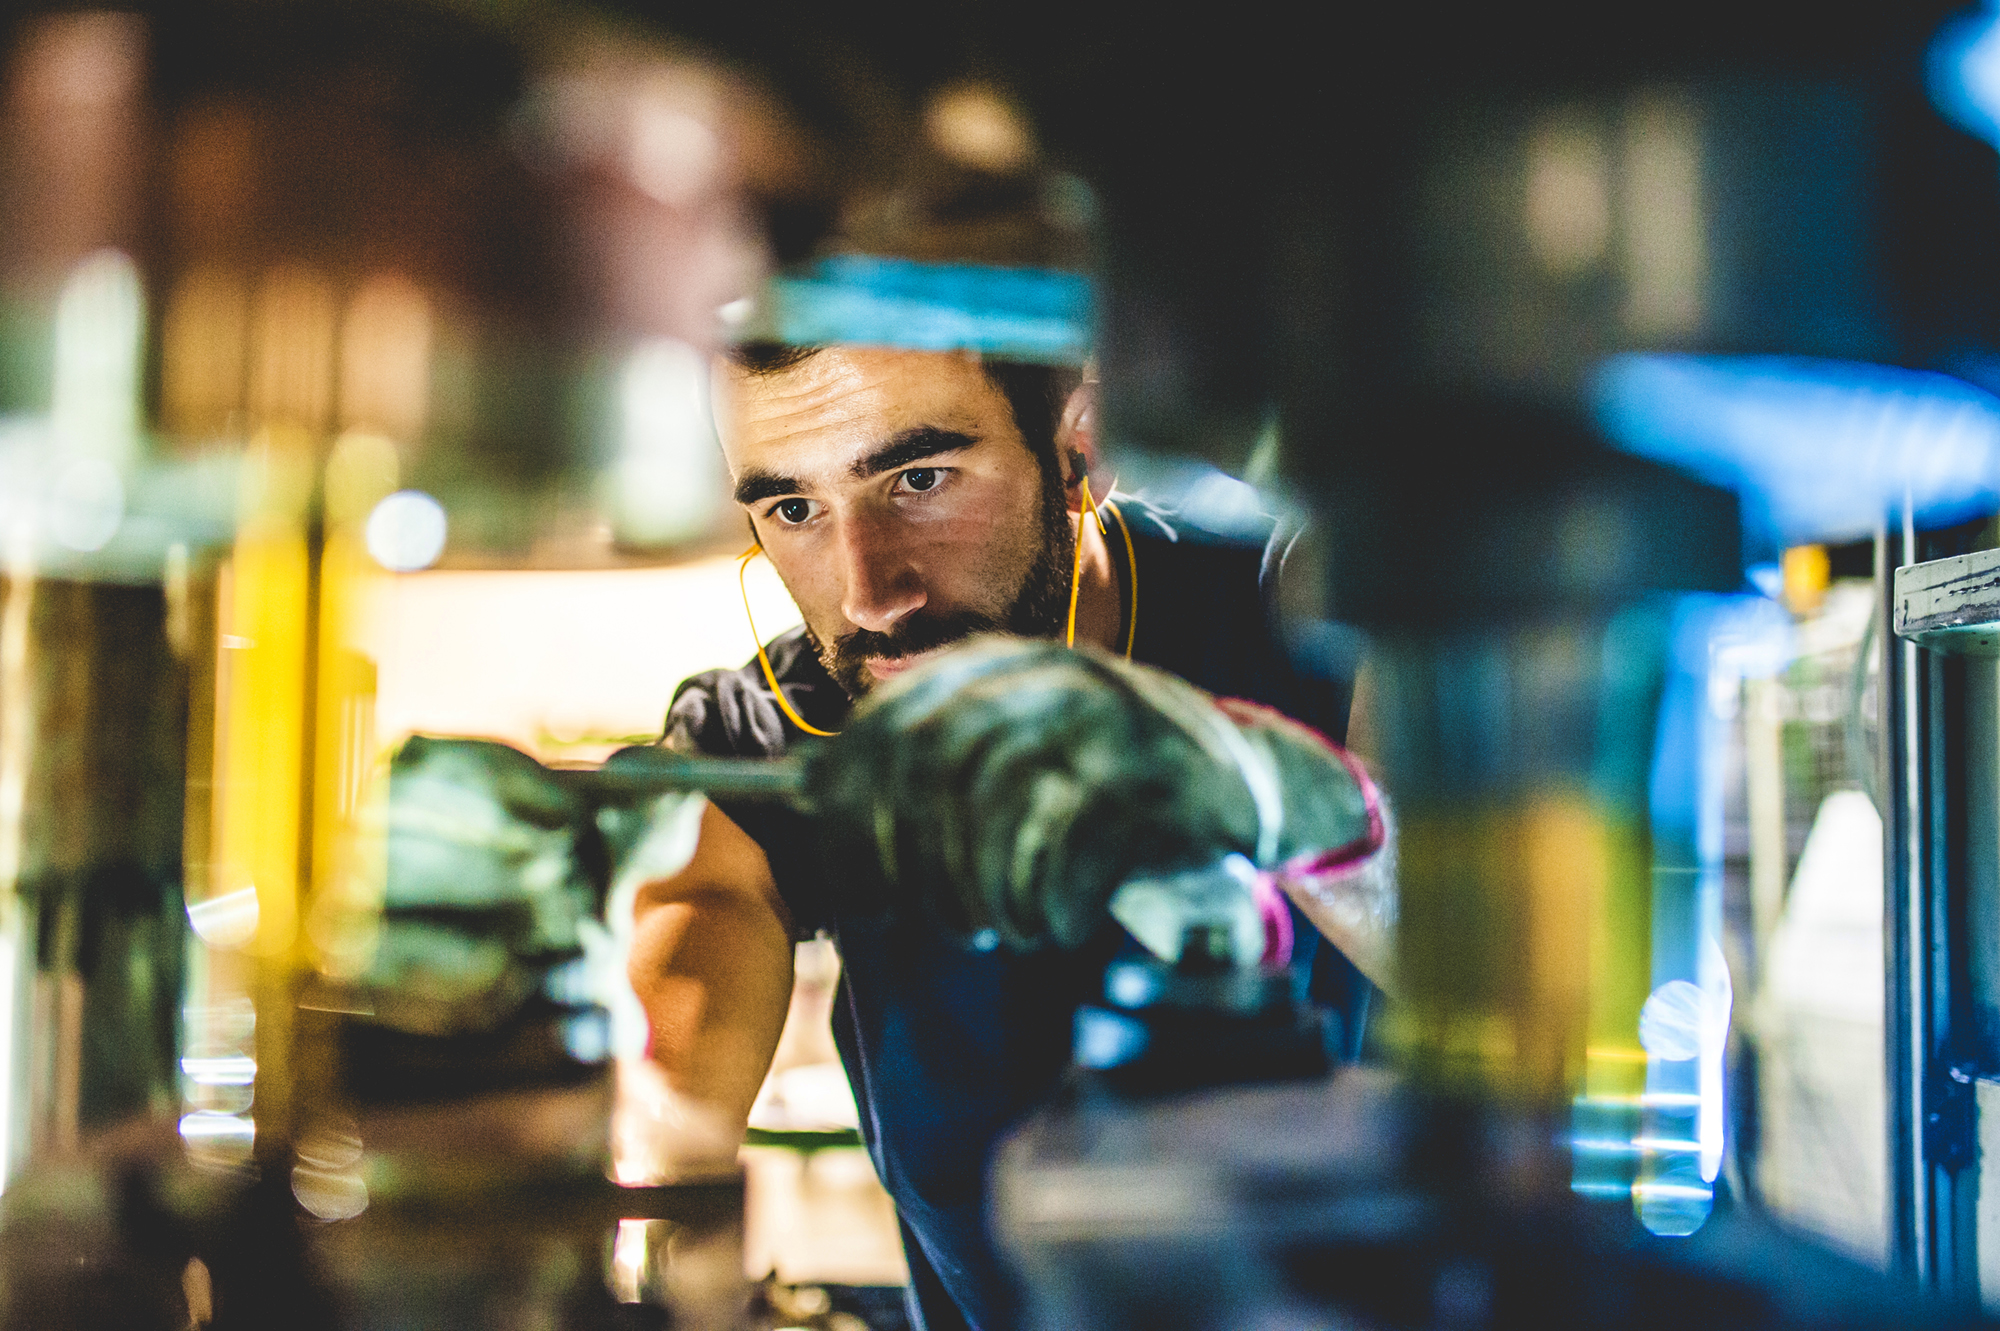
x=1076, y=574
x=770, y=675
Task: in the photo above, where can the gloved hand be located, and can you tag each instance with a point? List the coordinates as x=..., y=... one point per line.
x=1012, y=786
x=494, y=869
x=489, y=883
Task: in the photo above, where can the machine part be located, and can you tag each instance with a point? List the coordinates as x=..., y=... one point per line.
x=455, y=961
x=461, y=1164
x=1951, y=605
x=1175, y=1211
x=1323, y=1203
x=643, y=770
x=467, y=967
x=1166, y=1029
x=1212, y=1001
x=1523, y=858
x=92, y=919
x=1542, y=519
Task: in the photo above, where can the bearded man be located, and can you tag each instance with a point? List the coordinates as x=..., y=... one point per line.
x=910, y=499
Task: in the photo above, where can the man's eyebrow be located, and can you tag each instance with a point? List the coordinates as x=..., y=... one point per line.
x=911, y=445
x=760, y=485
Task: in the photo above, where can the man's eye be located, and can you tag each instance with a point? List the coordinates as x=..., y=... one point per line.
x=793, y=511
x=920, y=479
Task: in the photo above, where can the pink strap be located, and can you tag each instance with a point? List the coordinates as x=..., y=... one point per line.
x=1272, y=903
x=1277, y=913
x=1244, y=712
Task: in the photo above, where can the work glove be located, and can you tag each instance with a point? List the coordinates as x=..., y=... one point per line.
x=1009, y=788
x=468, y=931
x=494, y=874
x=480, y=880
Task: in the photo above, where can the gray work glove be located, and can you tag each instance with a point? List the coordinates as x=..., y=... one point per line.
x=495, y=872
x=1010, y=787
x=494, y=868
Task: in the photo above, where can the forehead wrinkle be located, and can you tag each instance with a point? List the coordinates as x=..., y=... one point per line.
x=838, y=389
x=842, y=382
x=813, y=418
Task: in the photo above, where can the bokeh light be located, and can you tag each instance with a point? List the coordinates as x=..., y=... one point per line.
x=406, y=531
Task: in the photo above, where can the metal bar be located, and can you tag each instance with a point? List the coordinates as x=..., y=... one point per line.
x=1978, y=953
x=1902, y=900
x=1917, y=1009
x=638, y=772
x=1951, y=604
x=1958, y=737
x=1929, y=998
x=1936, y=971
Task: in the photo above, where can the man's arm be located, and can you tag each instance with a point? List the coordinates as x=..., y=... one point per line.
x=712, y=963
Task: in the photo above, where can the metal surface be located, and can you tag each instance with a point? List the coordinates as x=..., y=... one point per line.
x=649, y=770
x=94, y=923
x=1905, y=1011
x=482, y=1209
x=1952, y=604
x=1943, y=892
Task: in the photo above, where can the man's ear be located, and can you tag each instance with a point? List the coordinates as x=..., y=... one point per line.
x=1076, y=435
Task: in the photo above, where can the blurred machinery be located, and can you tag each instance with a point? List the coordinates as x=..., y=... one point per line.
x=269, y=283
x=1456, y=248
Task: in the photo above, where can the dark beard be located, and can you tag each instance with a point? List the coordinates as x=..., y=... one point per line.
x=1038, y=609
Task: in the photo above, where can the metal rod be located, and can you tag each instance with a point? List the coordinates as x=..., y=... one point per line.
x=1903, y=1006
x=646, y=771
x=1910, y=847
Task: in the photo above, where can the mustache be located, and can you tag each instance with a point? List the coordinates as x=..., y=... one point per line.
x=1036, y=612
x=919, y=633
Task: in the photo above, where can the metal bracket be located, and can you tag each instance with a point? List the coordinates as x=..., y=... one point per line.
x=1951, y=605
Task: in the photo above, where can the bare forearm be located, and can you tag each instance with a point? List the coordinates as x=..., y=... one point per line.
x=716, y=980
x=712, y=963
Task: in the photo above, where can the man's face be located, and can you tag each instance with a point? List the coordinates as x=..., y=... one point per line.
x=895, y=496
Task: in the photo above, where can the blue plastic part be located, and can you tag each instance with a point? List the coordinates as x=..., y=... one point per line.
x=1819, y=450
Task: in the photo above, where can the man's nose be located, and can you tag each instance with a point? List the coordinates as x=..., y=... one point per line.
x=882, y=585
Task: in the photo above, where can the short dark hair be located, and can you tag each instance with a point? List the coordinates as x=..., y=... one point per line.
x=1036, y=393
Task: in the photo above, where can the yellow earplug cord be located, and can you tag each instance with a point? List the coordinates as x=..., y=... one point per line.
x=1090, y=507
